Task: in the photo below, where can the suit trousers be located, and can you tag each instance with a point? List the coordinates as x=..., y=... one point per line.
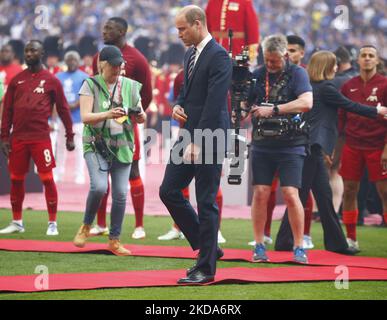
x=200, y=229
x=315, y=177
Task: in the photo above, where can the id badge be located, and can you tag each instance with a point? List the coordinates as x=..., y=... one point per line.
x=122, y=119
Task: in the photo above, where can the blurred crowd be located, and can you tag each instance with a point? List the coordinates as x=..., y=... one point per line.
x=322, y=23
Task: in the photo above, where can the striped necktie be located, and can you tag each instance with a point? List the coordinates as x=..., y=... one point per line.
x=191, y=62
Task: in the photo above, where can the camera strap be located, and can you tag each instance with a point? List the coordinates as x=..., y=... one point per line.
x=267, y=85
x=107, y=95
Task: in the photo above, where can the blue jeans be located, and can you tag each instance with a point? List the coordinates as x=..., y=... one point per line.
x=98, y=186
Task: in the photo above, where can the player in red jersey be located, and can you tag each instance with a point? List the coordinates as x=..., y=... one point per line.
x=28, y=104
x=365, y=139
x=137, y=68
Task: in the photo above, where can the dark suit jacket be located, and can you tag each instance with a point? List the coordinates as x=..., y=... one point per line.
x=323, y=116
x=204, y=96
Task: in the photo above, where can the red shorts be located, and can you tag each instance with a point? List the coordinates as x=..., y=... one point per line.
x=23, y=150
x=354, y=160
x=137, y=145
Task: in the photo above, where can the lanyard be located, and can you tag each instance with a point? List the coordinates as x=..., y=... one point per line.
x=112, y=94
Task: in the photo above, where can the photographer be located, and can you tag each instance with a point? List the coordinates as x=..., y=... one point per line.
x=281, y=148
x=106, y=101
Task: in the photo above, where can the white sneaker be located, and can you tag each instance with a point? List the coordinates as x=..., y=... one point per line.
x=13, y=228
x=172, y=234
x=353, y=244
x=307, y=242
x=139, y=233
x=252, y=243
x=220, y=238
x=99, y=231
x=52, y=229
x=266, y=240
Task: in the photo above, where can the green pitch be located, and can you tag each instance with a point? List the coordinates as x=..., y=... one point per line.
x=373, y=242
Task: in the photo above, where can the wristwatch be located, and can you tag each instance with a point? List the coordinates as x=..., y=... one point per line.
x=275, y=110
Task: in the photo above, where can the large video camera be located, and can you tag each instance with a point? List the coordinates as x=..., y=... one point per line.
x=277, y=126
x=240, y=88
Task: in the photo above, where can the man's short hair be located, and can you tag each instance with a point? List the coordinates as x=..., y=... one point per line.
x=293, y=39
x=368, y=46
x=342, y=55
x=275, y=43
x=121, y=22
x=73, y=54
x=193, y=13
x=37, y=41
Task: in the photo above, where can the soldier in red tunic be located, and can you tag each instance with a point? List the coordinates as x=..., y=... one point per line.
x=238, y=15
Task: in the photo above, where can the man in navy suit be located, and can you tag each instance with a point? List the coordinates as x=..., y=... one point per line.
x=202, y=107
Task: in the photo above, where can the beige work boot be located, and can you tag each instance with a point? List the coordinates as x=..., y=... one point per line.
x=117, y=248
x=82, y=235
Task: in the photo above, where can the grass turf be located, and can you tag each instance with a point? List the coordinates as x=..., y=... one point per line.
x=373, y=242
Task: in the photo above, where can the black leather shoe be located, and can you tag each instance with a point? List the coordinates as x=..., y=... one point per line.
x=350, y=251
x=219, y=254
x=196, y=277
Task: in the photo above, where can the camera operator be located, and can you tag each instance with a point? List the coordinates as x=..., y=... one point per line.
x=279, y=141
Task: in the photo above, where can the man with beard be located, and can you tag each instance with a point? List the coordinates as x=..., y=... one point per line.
x=28, y=104
x=136, y=68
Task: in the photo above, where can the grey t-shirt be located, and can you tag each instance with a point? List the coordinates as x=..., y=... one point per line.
x=115, y=128
x=86, y=90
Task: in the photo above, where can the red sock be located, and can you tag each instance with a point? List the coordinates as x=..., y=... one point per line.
x=385, y=217
x=350, y=221
x=101, y=214
x=137, y=192
x=219, y=202
x=270, y=210
x=51, y=198
x=308, y=214
x=17, y=197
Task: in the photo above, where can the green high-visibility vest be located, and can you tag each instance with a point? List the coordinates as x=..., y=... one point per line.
x=122, y=144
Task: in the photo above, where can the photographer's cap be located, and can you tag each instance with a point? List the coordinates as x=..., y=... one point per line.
x=112, y=55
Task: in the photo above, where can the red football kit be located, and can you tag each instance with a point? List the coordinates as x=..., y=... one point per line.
x=28, y=104
x=364, y=138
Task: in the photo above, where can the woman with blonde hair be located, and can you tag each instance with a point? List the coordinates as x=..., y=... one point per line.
x=323, y=133
x=109, y=103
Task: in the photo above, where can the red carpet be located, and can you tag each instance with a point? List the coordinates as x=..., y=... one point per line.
x=316, y=257
x=161, y=278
